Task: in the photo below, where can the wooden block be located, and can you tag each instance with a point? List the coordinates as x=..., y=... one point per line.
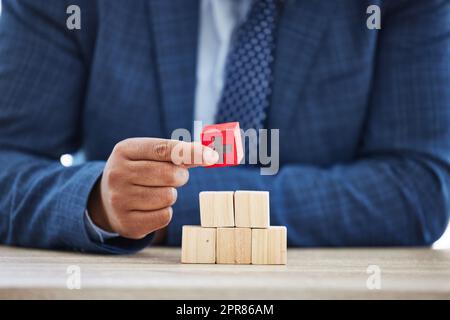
x=216, y=209
x=269, y=246
x=198, y=245
x=252, y=209
x=234, y=245
x=226, y=139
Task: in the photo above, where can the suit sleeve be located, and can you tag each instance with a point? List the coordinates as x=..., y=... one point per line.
x=42, y=79
x=396, y=192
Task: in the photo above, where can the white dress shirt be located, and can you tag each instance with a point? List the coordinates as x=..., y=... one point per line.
x=218, y=20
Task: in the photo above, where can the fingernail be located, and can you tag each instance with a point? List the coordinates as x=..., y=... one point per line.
x=182, y=174
x=210, y=156
x=175, y=193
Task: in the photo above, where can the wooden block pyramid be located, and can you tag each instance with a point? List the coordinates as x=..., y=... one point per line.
x=235, y=229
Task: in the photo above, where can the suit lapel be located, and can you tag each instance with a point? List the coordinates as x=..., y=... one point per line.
x=300, y=32
x=175, y=32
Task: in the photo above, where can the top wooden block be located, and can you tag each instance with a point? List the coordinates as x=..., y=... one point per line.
x=251, y=209
x=216, y=209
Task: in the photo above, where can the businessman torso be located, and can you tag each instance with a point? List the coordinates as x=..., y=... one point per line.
x=140, y=75
x=363, y=116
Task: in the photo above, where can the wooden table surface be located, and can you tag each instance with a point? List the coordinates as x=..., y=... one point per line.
x=156, y=273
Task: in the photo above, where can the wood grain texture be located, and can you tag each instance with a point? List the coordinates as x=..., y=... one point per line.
x=216, y=209
x=252, y=209
x=198, y=245
x=269, y=246
x=234, y=245
x=156, y=273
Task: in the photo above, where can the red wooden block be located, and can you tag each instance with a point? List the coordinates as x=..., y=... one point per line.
x=225, y=138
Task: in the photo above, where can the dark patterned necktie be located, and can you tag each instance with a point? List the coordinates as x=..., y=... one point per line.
x=246, y=94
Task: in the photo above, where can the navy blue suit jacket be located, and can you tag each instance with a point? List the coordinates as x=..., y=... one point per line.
x=364, y=117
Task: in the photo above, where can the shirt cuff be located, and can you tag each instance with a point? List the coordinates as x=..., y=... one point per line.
x=95, y=233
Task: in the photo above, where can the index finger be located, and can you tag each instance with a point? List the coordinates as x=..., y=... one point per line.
x=190, y=154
